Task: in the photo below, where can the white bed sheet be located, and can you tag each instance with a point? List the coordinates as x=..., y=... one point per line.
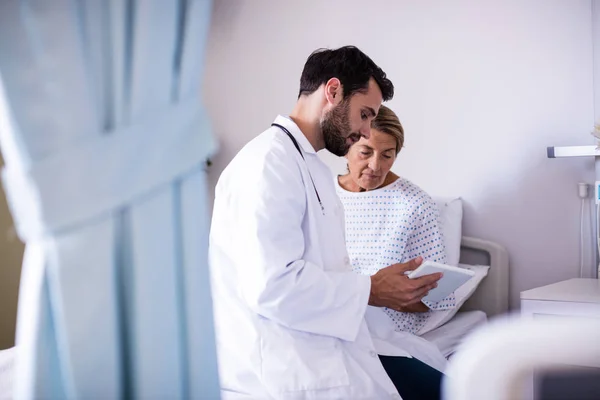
x=448, y=336
x=7, y=363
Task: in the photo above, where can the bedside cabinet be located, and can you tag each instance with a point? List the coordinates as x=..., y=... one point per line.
x=571, y=298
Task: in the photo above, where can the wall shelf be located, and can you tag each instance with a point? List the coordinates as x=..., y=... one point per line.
x=572, y=151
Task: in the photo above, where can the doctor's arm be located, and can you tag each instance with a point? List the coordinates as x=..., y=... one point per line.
x=277, y=283
x=274, y=279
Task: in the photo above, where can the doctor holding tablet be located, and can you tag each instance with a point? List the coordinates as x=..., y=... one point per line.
x=290, y=314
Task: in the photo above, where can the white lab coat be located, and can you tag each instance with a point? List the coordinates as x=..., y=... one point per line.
x=289, y=311
x=390, y=342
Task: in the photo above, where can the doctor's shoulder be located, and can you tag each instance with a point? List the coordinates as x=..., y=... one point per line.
x=270, y=143
x=254, y=151
x=265, y=154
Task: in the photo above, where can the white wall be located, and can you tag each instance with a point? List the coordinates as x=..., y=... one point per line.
x=482, y=87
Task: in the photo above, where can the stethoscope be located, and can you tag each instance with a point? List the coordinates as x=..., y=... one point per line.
x=293, y=139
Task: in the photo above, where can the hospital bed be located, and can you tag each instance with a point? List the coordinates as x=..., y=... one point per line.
x=490, y=297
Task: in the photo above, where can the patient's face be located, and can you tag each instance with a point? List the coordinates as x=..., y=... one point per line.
x=370, y=160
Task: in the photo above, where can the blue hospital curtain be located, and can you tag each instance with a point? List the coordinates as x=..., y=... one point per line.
x=105, y=142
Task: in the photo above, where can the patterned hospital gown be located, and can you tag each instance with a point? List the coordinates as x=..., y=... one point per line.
x=390, y=225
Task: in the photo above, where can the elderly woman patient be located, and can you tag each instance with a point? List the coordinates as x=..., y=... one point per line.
x=390, y=220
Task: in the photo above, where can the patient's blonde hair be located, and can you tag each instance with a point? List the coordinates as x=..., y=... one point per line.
x=387, y=121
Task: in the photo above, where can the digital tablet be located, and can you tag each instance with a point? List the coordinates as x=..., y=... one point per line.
x=452, y=279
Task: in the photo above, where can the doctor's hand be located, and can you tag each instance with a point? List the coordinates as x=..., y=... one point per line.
x=391, y=288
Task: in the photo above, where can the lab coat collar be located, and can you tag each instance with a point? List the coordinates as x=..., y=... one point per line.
x=296, y=132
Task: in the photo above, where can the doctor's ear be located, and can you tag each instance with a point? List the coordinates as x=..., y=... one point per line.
x=334, y=91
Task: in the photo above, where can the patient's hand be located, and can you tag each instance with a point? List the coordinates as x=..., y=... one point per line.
x=391, y=288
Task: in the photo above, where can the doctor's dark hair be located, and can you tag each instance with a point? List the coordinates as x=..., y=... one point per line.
x=351, y=66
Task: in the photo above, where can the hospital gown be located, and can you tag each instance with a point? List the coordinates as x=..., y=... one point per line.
x=391, y=225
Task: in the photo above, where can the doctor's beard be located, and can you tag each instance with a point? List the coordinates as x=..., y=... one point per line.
x=335, y=127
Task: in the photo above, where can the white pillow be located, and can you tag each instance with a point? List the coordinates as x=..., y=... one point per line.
x=462, y=294
x=451, y=213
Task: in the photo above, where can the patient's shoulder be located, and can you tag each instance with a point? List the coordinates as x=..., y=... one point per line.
x=410, y=195
x=406, y=189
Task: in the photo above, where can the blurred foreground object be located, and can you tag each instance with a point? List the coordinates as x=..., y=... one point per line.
x=105, y=142
x=496, y=361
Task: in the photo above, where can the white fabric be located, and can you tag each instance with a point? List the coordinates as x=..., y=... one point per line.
x=289, y=311
x=107, y=179
x=448, y=336
x=105, y=140
x=7, y=373
x=451, y=214
x=391, y=342
x=439, y=318
x=392, y=224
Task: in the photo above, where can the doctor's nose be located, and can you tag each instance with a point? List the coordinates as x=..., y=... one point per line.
x=365, y=130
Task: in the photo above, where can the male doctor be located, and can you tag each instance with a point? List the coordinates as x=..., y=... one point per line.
x=289, y=311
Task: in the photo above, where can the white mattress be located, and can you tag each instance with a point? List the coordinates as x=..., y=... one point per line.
x=448, y=336
x=7, y=362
